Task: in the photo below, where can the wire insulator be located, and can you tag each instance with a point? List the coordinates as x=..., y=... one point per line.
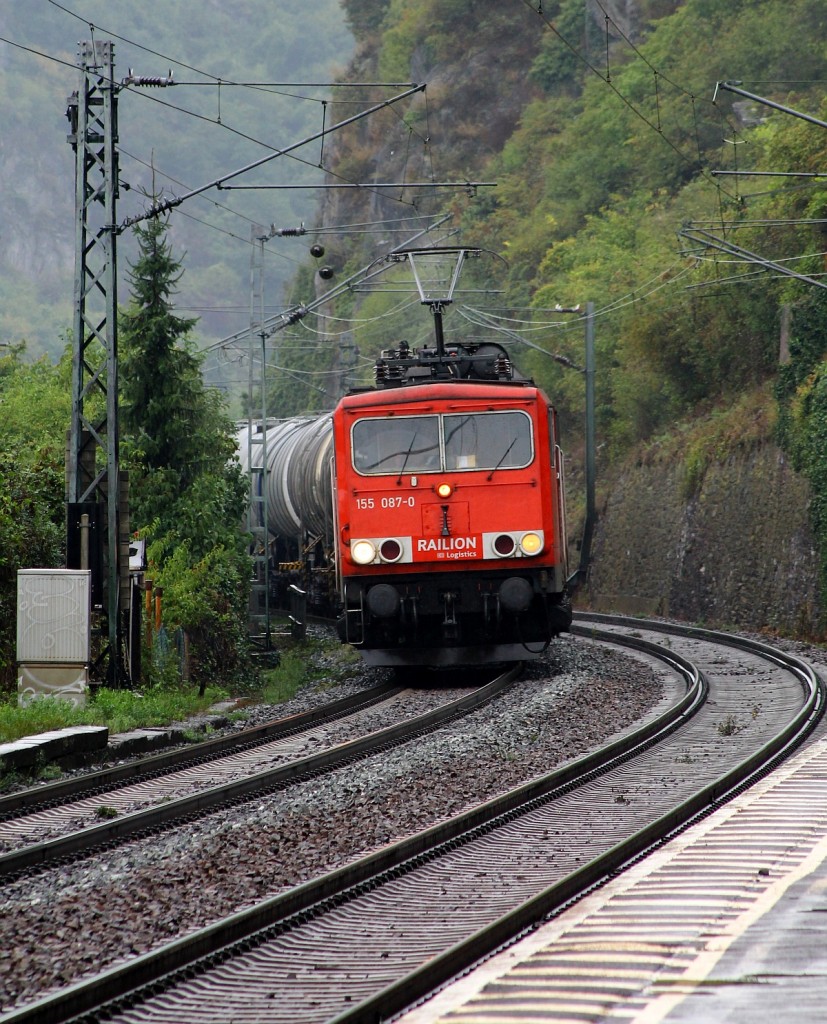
x=154, y=81
x=296, y=314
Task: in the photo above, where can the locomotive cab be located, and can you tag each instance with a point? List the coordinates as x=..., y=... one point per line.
x=450, y=530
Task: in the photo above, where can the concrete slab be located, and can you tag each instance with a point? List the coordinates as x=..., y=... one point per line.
x=46, y=747
x=142, y=741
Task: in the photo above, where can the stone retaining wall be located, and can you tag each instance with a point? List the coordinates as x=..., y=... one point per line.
x=738, y=551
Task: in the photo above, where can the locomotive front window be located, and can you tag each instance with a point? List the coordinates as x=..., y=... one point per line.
x=488, y=440
x=404, y=444
x=411, y=444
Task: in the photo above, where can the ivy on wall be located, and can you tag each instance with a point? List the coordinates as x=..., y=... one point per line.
x=801, y=392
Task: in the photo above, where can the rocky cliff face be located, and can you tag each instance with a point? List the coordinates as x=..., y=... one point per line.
x=738, y=552
x=478, y=84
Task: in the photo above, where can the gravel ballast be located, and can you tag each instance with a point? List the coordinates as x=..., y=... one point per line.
x=83, y=917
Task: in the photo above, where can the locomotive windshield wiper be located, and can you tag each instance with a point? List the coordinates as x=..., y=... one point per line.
x=407, y=456
x=503, y=457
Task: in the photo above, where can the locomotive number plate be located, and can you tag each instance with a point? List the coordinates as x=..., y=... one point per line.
x=387, y=501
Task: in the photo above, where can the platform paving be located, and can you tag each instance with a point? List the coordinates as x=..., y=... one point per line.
x=726, y=924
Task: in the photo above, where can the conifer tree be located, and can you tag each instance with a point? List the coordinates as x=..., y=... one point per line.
x=159, y=373
x=175, y=430
x=187, y=496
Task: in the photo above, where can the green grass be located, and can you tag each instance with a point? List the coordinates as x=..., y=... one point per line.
x=120, y=710
x=301, y=663
x=283, y=682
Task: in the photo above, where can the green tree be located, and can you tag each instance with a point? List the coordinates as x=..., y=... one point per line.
x=160, y=375
x=35, y=404
x=187, y=494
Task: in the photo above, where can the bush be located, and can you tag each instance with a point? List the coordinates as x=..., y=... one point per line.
x=36, y=405
x=207, y=599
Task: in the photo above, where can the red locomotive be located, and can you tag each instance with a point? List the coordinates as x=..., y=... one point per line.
x=444, y=523
x=449, y=512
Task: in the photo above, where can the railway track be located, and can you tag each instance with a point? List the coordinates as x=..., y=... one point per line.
x=363, y=942
x=220, y=772
x=104, y=780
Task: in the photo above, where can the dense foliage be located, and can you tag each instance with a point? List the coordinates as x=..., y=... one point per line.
x=615, y=174
x=187, y=494
x=35, y=407
x=612, y=155
x=609, y=191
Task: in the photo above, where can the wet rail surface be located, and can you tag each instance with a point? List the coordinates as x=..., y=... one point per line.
x=357, y=945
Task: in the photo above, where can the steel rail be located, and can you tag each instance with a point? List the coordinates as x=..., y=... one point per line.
x=55, y=793
x=175, y=812
x=245, y=928
x=464, y=955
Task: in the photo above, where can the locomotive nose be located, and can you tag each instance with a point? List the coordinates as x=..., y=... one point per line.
x=383, y=601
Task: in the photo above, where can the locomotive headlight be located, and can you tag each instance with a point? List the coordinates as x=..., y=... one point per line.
x=445, y=490
x=362, y=552
x=531, y=543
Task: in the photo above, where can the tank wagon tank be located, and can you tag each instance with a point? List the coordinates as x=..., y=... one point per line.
x=294, y=493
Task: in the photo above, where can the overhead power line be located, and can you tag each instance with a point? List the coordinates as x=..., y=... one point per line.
x=297, y=312
x=170, y=204
x=707, y=239
x=369, y=185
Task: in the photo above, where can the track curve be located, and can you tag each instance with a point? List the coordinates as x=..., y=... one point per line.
x=494, y=872
x=245, y=778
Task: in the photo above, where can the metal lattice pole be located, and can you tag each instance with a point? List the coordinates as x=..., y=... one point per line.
x=92, y=460
x=258, y=509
